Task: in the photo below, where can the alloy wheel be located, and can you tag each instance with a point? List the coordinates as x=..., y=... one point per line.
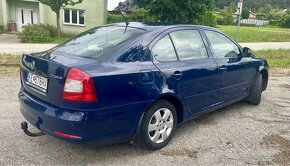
x=160, y=125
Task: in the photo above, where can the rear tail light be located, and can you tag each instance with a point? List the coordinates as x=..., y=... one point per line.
x=79, y=86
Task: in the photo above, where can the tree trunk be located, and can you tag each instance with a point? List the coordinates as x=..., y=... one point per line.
x=58, y=23
x=106, y=12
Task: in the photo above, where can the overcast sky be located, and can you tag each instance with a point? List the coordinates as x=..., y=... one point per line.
x=112, y=4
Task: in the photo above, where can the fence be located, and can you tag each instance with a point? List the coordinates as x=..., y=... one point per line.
x=255, y=22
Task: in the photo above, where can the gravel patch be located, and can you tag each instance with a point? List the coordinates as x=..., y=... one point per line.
x=240, y=134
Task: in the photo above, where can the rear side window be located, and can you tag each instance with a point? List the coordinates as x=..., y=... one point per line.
x=164, y=51
x=189, y=45
x=99, y=42
x=222, y=47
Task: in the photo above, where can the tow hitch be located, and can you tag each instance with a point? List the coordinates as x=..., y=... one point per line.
x=24, y=127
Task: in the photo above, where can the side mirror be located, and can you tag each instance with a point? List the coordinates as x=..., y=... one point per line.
x=247, y=52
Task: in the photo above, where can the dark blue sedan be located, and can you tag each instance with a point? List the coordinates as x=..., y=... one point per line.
x=116, y=84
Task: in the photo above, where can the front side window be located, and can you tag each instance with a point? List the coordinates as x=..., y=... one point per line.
x=189, y=45
x=222, y=47
x=75, y=17
x=164, y=51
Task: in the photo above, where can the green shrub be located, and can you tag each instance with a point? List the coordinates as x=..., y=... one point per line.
x=114, y=18
x=35, y=33
x=52, y=29
x=1, y=28
x=140, y=15
x=225, y=18
x=209, y=19
x=275, y=22
x=285, y=22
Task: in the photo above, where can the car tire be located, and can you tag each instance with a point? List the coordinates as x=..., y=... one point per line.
x=256, y=91
x=158, y=125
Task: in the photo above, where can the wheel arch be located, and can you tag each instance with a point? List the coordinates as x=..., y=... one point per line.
x=177, y=103
x=174, y=100
x=265, y=77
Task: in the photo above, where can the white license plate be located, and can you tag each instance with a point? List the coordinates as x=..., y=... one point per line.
x=37, y=81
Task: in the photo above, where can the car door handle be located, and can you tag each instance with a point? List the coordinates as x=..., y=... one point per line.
x=177, y=75
x=223, y=68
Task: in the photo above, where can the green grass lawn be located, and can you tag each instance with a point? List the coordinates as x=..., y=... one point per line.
x=9, y=59
x=55, y=40
x=9, y=70
x=60, y=40
x=258, y=34
x=276, y=58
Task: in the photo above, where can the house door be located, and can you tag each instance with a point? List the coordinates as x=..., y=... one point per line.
x=25, y=17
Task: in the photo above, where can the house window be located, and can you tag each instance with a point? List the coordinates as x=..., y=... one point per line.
x=74, y=17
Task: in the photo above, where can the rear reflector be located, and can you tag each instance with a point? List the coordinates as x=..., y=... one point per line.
x=79, y=86
x=67, y=135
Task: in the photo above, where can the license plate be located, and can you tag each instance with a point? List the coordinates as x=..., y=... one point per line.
x=37, y=82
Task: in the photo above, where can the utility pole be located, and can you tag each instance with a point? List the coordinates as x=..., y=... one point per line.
x=239, y=13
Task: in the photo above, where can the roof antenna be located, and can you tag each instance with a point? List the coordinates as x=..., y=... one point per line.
x=127, y=23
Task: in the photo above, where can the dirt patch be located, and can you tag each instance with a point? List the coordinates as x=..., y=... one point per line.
x=279, y=105
x=274, y=79
x=180, y=152
x=206, y=121
x=280, y=72
x=283, y=144
x=287, y=86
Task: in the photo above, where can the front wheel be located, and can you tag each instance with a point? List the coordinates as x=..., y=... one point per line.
x=158, y=125
x=256, y=91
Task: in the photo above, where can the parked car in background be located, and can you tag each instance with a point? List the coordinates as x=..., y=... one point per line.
x=116, y=84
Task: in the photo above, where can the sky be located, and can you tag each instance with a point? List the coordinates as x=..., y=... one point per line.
x=112, y=4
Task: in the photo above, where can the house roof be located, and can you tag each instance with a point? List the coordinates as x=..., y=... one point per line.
x=125, y=6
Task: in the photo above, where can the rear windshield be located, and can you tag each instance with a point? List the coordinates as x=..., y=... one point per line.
x=98, y=43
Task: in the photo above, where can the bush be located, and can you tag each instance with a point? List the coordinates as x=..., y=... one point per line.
x=209, y=19
x=114, y=18
x=225, y=18
x=1, y=29
x=35, y=33
x=140, y=15
x=52, y=29
x=285, y=22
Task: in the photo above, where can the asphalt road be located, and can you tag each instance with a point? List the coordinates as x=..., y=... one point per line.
x=240, y=134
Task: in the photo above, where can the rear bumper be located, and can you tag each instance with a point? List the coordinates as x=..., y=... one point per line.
x=95, y=127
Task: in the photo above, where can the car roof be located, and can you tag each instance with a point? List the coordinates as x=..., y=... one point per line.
x=156, y=26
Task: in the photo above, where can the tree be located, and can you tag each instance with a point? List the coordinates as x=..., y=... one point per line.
x=245, y=13
x=140, y=14
x=56, y=5
x=254, y=5
x=177, y=11
x=225, y=17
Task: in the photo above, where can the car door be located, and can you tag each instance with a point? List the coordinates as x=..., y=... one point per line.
x=182, y=57
x=235, y=75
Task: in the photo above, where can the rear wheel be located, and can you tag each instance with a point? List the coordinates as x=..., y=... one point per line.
x=256, y=91
x=158, y=125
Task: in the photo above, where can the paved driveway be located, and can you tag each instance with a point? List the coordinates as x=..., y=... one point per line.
x=20, y=48
x=240, y=134
x=9, y=38
x=267, y=45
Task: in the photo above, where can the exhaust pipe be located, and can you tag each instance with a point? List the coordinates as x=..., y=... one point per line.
x=24, y=127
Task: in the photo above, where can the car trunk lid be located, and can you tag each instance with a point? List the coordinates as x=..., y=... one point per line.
x=43, y=74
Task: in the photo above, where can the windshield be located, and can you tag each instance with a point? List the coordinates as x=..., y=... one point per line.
x=97, y=43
